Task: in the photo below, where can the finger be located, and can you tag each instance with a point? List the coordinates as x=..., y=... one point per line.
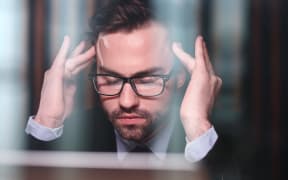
x=61, y=56
x=207, y=59
x=87, y=54
x=81, y=67
x=186, y=59
x=78, y=49
x=199, y=52
x=73, y=63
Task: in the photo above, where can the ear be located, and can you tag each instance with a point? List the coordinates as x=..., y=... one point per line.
x=181, y=77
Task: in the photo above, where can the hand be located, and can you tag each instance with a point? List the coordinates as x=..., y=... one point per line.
x=59, y=87
x=201, y=92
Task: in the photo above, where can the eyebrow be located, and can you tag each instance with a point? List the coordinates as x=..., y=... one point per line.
x=151, y=71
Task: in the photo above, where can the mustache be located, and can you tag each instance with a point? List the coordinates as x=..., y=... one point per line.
x=141, y=113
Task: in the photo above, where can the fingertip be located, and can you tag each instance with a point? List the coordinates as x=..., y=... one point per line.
x=186, y=59
x=200, y=37
x=176, y=46
x=64, y=47
x=66, y=37
x=199, y=40
x=81, y=42
x=66, y=41
x=199, y=46
x=179, y=51
x=90, y=52
x=92, y=49
x=81, y=45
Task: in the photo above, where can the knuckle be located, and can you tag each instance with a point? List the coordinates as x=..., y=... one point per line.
x=69, y=66
x=214, y=79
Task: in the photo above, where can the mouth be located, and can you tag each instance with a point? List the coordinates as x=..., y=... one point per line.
x=130, y=120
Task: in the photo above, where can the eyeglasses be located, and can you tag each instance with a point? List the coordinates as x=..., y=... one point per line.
x=145, y=86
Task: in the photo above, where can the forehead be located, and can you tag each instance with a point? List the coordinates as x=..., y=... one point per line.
x=141, y=49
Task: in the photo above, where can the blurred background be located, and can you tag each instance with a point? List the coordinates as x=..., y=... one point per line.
x=247, y=45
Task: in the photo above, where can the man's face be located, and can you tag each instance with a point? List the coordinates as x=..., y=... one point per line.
x=143, y=51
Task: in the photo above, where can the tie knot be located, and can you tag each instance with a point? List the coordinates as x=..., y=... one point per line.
x=141, y=149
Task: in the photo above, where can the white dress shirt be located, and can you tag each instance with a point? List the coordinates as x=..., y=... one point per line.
x=195, y=150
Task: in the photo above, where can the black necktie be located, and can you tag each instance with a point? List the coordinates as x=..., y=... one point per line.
x=141, y=149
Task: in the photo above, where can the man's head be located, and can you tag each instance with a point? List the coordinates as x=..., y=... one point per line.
x=132, y=43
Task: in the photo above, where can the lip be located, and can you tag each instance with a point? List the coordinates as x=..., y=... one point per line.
x=130, y=120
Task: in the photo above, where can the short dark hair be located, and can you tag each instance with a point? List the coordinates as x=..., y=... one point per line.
x=121, y=15
x=124, y=15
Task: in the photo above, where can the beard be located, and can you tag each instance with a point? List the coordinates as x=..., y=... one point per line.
x=136, y=132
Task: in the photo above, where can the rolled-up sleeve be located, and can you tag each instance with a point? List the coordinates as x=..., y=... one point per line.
x=41, y=132
x=197, y=149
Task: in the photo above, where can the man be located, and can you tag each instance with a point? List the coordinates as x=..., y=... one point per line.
x=137, y=79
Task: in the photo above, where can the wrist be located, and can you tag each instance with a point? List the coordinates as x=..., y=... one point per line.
x=195, y=127
x=47, y=122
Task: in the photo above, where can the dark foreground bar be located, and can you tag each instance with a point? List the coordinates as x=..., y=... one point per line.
x=22, y=165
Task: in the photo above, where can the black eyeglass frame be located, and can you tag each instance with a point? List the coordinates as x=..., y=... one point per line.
x=165, y=78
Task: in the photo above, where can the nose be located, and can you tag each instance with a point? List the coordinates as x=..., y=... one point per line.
x=128, y=99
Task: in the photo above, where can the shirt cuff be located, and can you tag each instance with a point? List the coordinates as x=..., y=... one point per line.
x=197, y=149
x=41, y=132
